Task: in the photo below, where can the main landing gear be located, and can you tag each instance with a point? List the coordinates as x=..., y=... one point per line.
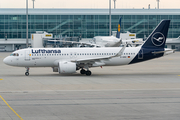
x=88, y=72
x=27, y=71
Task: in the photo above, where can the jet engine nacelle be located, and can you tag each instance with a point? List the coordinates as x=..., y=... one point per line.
x=67, y=67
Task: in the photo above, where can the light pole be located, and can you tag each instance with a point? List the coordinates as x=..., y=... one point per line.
x=27, y=42
x=157, y=4
x=109, y=17
x=114, y=4
x=33, y=3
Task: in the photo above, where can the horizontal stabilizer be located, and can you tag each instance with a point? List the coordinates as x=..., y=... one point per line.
x=166, y=51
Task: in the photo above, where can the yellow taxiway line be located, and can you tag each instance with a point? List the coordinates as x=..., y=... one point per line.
x=10, y=107
x=1, y=79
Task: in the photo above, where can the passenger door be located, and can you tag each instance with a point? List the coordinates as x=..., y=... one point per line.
x=140, y=54
x=27, y=55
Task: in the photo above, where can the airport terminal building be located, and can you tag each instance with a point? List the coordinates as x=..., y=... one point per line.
x=85, y=23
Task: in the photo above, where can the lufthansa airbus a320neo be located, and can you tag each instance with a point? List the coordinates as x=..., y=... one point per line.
x=69, y=60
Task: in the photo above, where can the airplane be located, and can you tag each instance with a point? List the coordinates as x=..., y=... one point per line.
x=69, y=60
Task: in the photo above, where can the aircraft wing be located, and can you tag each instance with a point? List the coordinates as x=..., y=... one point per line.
x=90, y=60
x=98, y=59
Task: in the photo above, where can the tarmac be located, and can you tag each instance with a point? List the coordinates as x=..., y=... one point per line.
x=145, y=91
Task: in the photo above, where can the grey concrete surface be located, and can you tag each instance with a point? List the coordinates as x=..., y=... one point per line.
x=145, y=91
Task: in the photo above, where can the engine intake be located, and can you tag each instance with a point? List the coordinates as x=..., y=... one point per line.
x=67, y=67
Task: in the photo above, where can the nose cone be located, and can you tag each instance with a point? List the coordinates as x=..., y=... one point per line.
x=7, y=61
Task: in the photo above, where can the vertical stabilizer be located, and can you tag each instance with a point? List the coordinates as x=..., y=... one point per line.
x=154, y=45
x=119, y=29
x=157, y=38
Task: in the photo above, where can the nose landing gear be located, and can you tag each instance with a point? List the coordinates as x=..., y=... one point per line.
x=27, y=71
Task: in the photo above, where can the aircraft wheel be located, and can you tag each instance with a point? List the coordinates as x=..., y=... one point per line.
x=88, y=73
x=83, y=71
x=27, y=73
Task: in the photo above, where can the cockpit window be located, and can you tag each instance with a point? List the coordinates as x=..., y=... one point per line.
x=14, y=54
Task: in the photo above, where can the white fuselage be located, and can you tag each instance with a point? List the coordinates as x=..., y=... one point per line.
x=38, y=57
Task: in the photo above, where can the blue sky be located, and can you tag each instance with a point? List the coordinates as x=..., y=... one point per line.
x=170, y=4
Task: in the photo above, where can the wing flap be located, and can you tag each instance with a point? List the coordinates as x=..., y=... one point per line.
x=99, y=59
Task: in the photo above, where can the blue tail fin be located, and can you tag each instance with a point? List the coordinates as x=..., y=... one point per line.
x=119, y=29
x=157, y=38
x=154, y=45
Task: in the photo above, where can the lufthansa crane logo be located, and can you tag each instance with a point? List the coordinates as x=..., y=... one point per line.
x=158, y=39
x=119, y=27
